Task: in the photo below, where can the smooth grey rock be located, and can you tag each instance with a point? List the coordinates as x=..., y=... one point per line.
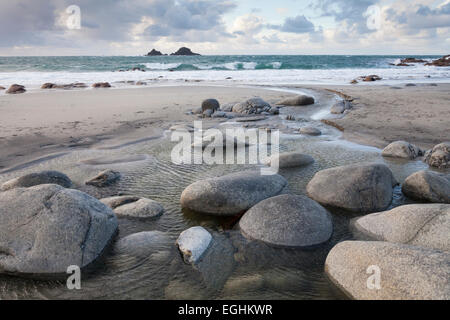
x=357, y=188
x=208, y=113
x=407, y=272
x=193, y=243
x=46, y=228
x=311, y=131
x=114, y=202
x=228, y=107
x=37, y=178
x=424, y=225
x=428, y=186
x=219, y=114
x=402, y=149
x=287, y=221
x=104, y=179
x=290, y=160
x=146, y=244
x=140, y=209
x=301, y=100
x=338, y=108
x=231, y=194
x=439, y=157
x=252, y=106
x=210, y=104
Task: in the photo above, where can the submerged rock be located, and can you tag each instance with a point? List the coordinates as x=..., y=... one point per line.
x=37, y=178
x=290, y=160
x=356, y=188
x=193, y=243
x=134, y=207
x=210, y=104
x=338, y=108
x=301, y=100
x=16, y=89
x=288, y=221
x=402, y=149
x=310, y=131
x=231, y=194
x=146, y=245
x=428, y=186
x=407, y=272
x=439, y=156
x=424, y=225
x=46, y=228
x=104, y=179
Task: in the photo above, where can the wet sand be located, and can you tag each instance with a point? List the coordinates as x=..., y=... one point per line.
x=43, y=124
x=383, y=114
x=35, y=125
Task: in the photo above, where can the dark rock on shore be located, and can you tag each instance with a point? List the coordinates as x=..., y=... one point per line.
x=442, y=62
x=424, y=225
x=16, y=89
x=310, y=131
x=371, y=78
x=428, y=186
x=287, y=221
x=356, y=188
x=34, y=179
x=104, y=179
x=184, y=52
x=407, y=272
x=231, y=194
x=154, y=52
x=210, y=104
x=101, y=85
x=45, y=229
x=63, y=86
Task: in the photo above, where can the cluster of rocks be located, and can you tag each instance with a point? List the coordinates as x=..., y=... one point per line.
x=256, y=106
x=438, y=157
x=133, y=69
x=407, y=62
x=101, y=85
x=37, y=209
x=63, y=86
x=183, y=51
x=442, y=62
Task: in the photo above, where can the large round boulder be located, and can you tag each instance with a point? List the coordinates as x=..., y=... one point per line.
x=290, y=160
x=425, y=225
x=210, y=104
x=37, y=178
x=439, y=156
x=301, y=100
x=428, y=186
x=357, y=188
x=231, y=194
x=403, y=150
x=46, y=228
x=389, y=271
x=287, y=221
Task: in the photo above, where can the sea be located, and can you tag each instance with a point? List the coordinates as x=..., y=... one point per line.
x=121, y=71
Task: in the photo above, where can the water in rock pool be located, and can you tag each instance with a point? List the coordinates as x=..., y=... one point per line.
x=256, y=270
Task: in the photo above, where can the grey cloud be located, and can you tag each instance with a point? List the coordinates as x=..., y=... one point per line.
x=298, y=24
x=422, y=18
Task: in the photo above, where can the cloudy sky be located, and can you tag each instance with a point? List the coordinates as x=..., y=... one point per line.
x=134, y=27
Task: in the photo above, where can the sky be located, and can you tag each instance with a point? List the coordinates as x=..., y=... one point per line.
x=216, y=27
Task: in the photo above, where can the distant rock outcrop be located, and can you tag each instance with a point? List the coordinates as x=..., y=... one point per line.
x=442, y=62
x=155, y=52
x=184, y=52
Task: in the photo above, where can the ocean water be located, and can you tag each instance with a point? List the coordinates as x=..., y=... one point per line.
x=267, y=69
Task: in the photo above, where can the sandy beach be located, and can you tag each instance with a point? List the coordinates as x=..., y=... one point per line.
x=39, y=124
